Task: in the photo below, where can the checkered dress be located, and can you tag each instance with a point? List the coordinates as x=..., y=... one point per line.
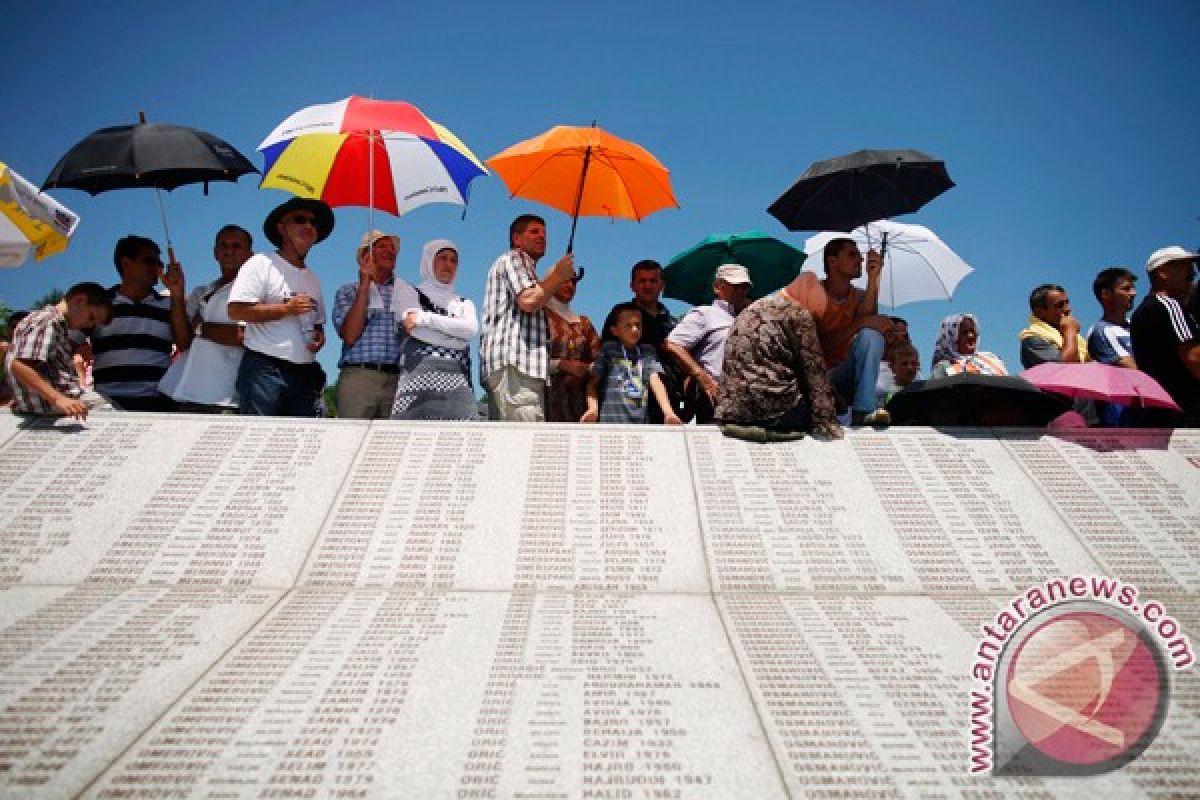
x=512, y=337
x=43, y=338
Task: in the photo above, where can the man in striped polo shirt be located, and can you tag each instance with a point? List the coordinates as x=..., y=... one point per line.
x=513, y=350
x=1166, y=337
x=133, y=351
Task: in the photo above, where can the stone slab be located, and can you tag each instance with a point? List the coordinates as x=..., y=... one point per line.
x=1132, y=497
x=869, y=695
x=85, y=670
x=155, y=499
x=453, y=694
x=551, y=507
x=909, y=510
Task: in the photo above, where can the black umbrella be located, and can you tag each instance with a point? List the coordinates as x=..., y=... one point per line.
x=842, y=193
x=974, y=400
x=157, y=156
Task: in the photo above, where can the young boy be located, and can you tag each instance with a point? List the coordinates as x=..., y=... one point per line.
x=629, y=371
x=40, y=360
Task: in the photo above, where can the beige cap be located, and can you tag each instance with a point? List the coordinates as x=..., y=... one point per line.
x=733, y=274
x=1167, y=255
x=370, y=237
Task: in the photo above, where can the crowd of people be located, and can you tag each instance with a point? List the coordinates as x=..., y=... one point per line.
x=806, y=359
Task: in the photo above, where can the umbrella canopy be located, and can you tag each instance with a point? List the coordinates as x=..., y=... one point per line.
x=378, y=154
x=974, y=400
x=30, y=220
x=772, y=264
x=1096, y=381
x=586, y=172
x=917, y=265
x=146, y=155
x=842, y=193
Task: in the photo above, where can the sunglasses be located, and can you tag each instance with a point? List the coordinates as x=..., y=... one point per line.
x=303, y=219
x=153, y=261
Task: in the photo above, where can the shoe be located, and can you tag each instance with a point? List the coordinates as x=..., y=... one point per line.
x=759, y=434
x=747, y=433
x=879, y=418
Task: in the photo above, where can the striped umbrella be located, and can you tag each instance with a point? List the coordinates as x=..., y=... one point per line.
x=377, y=154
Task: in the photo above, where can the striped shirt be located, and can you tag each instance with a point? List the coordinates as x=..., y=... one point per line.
x=133, y=351
x=43, y=338
x=512, y=337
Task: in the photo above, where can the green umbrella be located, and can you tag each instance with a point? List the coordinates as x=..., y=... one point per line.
x=772, y=265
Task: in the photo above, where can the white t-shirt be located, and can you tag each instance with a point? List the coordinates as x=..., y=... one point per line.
x=207, y=372
x=267, y=278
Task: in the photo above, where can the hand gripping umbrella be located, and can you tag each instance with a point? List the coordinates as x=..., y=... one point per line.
x=842, y=193
x=917, y=264
x=585, y=172
x=147, y=155
x=378, y=154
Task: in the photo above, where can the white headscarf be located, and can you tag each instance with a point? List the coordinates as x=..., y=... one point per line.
x=442, y=294
x=564, y=310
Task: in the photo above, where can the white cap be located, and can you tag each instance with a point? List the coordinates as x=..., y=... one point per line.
x=1168, y=254
x=732, y=274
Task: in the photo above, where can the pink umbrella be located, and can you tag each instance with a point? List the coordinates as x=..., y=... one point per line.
x=1096, y=381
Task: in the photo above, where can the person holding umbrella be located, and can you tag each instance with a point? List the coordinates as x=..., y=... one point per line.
x=514, y=360
x=363, y=317
x=851, y=330
x=133, y=351
x=280, y=300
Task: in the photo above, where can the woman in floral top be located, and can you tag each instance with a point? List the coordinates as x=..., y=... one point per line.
x=774, y=374
x=574, y=345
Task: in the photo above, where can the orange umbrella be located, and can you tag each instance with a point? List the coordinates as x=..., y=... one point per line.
x=585, y=172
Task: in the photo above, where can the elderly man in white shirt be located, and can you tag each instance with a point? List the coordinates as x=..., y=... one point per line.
x=697, y=343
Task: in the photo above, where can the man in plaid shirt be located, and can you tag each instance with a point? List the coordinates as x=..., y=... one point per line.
x=40, y=360
x=363, y=316
x=513, y=351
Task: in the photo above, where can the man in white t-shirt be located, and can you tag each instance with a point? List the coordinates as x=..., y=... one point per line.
x=202, y=379
x=280, y=301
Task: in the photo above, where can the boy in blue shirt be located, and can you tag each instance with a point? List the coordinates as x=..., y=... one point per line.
x=629, y=371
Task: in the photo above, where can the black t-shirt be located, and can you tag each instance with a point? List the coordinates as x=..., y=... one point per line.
x=1158, y=327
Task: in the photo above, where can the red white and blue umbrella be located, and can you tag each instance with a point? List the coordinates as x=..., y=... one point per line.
x=327, y=152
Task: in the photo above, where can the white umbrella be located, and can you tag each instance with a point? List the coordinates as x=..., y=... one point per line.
x=917, y=265
x=30, y=220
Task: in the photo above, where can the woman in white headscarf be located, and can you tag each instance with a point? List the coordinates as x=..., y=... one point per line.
x=435, y=358
x=957, y=350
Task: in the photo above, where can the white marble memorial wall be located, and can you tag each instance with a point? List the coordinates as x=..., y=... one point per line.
x=230, y=608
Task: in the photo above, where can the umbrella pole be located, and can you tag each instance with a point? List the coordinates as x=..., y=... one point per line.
x=587, y=157
x=371, y=181
x=162, y=213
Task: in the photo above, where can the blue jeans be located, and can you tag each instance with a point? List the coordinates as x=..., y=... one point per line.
x=271, y=387
x=855, y=377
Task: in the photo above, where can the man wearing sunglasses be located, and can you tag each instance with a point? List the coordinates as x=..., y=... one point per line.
x=1053, y=332
x=133, y=351
x=279, y=299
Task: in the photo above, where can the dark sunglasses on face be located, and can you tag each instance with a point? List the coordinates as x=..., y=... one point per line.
x=153, y=261
x=304, y=219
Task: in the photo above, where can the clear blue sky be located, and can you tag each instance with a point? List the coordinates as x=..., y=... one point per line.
x=1071, y=128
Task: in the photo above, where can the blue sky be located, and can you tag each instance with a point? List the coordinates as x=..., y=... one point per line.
x=1071, y=128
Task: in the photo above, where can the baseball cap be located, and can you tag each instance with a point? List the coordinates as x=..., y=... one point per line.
x=1166, y=254
x=733, y=273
